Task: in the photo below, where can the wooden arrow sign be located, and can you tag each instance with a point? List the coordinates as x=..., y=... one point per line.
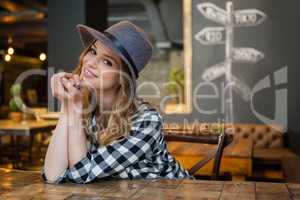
x=247, y=55
x=214, y=72
x=212, y=12
x=249, y=17
x=211, y=35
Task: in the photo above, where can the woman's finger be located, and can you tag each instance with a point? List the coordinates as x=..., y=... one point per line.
x=76, y=78
x=67, y=75
x=57, y=88
x=67, y=84
x=63, y=74
x=77, y=81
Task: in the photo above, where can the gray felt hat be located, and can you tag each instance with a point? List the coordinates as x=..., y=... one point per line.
x=126, y=39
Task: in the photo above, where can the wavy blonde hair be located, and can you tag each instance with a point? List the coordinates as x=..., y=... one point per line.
x=116, y=124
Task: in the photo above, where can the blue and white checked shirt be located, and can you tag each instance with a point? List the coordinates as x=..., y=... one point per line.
x=141, y=154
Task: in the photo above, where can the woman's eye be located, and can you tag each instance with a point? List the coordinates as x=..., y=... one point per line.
x=93, y=52
x=108, y=62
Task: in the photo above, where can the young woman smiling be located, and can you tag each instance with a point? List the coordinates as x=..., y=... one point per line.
x=105, y=129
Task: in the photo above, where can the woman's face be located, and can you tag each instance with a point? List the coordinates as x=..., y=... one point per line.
x=101, y=67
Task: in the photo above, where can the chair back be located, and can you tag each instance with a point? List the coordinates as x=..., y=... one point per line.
x=221, y=141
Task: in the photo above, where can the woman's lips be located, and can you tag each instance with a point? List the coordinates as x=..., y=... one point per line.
x=89, y=73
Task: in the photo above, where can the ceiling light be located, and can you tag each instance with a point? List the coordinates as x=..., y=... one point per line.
x=43, y=56
x=10, y=51
x=7, y=57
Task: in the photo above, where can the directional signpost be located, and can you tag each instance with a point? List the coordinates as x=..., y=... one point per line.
x=224, y=35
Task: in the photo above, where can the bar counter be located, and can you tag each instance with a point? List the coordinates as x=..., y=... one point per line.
x=24, y=185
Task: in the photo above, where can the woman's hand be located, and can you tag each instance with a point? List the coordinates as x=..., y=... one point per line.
x=66, y=87
x=57, y=87
x=72, y=86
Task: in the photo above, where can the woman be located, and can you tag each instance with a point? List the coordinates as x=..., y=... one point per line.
x=104, y=129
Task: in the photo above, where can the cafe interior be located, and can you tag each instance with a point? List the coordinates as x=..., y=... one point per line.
x=223, y=74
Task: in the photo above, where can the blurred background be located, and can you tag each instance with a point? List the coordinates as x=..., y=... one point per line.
x=39, y=36
x=43, y=34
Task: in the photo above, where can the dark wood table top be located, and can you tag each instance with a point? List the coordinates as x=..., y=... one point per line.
x=26, y=128
x=8, y=125
x=28, y=185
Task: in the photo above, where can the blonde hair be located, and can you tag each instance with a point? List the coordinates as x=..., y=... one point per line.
x=116, y=124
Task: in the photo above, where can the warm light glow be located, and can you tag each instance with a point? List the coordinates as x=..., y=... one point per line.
x=10, y=51
x=43, y=56
x=10, y=40
x=7, y=57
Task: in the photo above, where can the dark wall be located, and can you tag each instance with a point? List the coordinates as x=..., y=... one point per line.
x=64, y=45
x=277, y=38
x=63, y=41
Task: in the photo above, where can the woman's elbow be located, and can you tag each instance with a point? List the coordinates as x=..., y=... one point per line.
x=53, y=178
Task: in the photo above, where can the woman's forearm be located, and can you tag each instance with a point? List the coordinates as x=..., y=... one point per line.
x=56, y=160
x=77, y=146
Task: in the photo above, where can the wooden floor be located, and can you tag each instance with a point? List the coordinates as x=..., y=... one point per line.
x=28, y=185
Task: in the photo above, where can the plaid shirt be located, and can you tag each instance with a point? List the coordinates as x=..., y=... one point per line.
x=141, y=154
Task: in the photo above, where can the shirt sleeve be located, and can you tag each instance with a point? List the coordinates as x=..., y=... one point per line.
x=115, y=157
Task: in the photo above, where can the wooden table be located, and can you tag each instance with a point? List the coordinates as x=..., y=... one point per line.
x=27, y=128
x=21, y=185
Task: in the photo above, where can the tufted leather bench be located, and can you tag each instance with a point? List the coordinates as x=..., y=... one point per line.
x=268, y=140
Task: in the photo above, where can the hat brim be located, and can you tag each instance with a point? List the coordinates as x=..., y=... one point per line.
x=89, y=35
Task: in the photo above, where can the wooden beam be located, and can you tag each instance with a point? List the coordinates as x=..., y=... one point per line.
x=36, y=30
x=35, y=5
x=25, y=16
x=12, y=6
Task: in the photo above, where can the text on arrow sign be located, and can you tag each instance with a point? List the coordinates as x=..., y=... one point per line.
x=211, y=35
x=213, y=12
x=247, y=55
x=249, y=17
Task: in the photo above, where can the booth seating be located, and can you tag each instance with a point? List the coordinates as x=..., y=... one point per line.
x=271, y=158
x=268, y=141
x=251, y=142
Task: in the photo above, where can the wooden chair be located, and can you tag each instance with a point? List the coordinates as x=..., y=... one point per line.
x=11, y=151
x=221, y=140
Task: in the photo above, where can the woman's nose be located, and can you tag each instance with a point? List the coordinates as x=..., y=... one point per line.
x=92, y=63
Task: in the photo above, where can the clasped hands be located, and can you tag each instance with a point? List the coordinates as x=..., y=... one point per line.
x=67, y=88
